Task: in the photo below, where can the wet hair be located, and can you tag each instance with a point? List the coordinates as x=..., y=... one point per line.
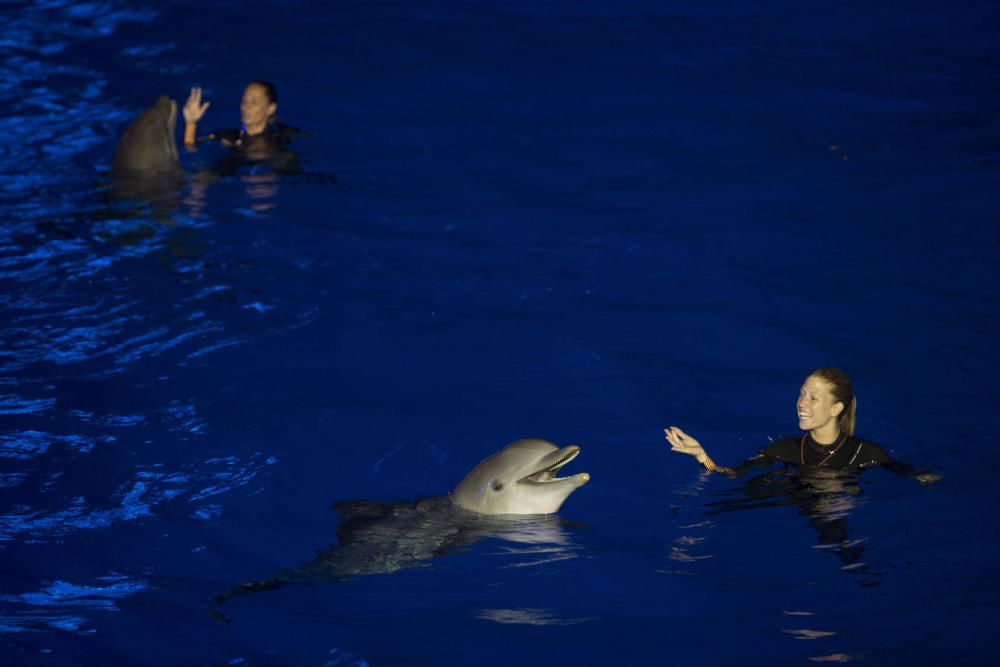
x=269, y=90
x=843, y=392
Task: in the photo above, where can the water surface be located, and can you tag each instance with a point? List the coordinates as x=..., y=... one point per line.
x=578, y=221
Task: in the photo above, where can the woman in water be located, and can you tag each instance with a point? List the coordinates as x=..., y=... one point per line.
x=258, y=111
x=827, y=409
x=261, y=140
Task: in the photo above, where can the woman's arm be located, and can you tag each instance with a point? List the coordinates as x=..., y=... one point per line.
x=685, y=444
x=193, y=111
x=922, y=476
x=905, y=469
x=875, y=455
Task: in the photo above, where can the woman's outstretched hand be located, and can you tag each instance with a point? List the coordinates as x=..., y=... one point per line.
x=684, y=443
x=193, y=108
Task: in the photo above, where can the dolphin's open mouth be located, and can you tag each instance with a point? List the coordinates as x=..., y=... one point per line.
x=551, y=465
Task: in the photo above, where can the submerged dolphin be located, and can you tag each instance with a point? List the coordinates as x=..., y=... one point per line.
x=507, y=496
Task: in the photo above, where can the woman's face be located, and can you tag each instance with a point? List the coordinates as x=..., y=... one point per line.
x=816, y=406
x=256, y=109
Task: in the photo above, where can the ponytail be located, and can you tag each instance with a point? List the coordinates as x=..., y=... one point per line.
x=849, y=417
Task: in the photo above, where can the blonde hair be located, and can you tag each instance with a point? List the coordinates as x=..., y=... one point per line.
x=842, y=391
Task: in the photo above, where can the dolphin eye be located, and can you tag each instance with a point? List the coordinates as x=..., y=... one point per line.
x=497, y=485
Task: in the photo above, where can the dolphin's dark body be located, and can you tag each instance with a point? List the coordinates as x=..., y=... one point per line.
x=381, y=538
x=510, y=496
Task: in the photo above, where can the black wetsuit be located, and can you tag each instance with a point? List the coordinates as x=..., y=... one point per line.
x=268, y=149
x=848, y=453
x=822, y=481
x=277, y=134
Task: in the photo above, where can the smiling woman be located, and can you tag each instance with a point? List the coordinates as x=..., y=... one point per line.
x=258, y=110
x=827, y=409
x=261, y=142
x=260, y=135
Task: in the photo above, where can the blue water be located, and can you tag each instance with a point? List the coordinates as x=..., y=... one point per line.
x=579, y=221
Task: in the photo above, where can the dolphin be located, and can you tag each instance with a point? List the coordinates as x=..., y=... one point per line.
x=145, y=165
x=520, y=479
x=148, y=144
x=508, y=496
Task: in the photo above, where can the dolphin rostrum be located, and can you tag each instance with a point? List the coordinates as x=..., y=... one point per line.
x=506, y=497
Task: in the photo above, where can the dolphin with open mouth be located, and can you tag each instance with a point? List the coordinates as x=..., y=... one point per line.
x=509, y=496
x=520, y=479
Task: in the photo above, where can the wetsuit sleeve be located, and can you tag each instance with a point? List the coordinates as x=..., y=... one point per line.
x=901, y=468
x=761, y=460
x=781, y=450
x=287, y=130
x=876, y=456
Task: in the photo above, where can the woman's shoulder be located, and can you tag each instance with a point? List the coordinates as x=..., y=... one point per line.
x=866, y=453
x=281, y=132
x=286, y=129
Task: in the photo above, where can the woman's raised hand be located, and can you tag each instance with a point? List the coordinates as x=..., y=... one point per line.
x=193, y=108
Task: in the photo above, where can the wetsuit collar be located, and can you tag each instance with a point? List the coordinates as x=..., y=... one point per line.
x=826, y=452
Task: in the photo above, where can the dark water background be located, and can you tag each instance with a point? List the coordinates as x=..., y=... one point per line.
x=582, y=221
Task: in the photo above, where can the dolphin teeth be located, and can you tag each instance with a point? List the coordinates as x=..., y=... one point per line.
x=560, y=463
x=548, y=473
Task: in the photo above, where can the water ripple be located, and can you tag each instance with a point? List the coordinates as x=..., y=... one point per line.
x=60, y=604
x=37, y=526
x=24, y=445
x=232, y=476
x=47, y=27
x=15, y=405
x=152, y=486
